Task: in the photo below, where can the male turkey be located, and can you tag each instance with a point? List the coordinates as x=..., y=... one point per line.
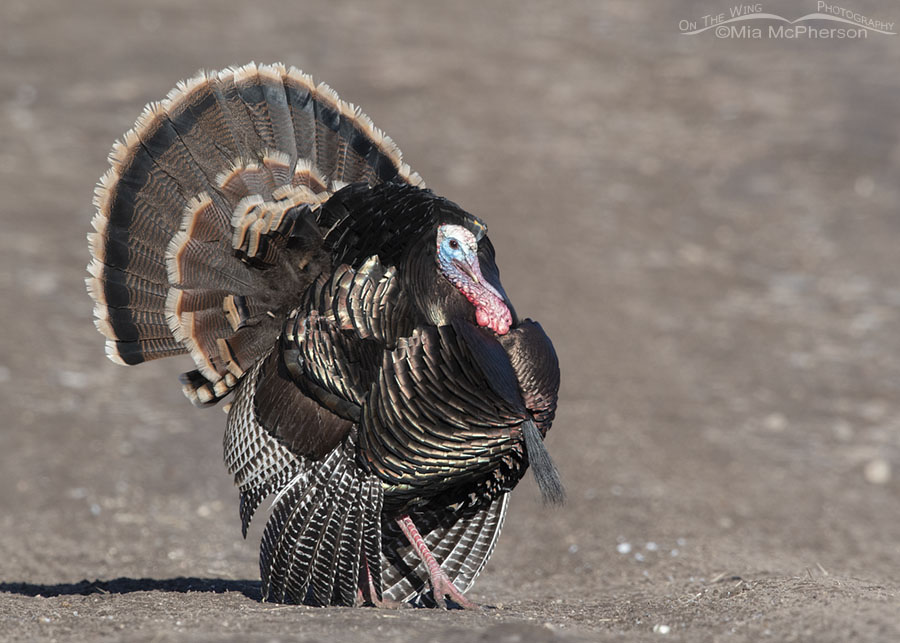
x=384, y=389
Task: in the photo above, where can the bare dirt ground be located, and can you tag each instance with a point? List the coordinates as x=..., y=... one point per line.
x=707, y=228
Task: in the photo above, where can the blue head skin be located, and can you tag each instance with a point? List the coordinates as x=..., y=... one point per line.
x=457, y=259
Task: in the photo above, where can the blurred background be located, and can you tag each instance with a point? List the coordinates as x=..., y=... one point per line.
x=707, y=227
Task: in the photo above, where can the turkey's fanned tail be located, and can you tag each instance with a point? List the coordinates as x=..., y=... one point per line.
x=205, y=234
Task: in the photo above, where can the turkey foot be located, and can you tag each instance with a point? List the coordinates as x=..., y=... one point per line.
x=441, y=586
x=368, y=595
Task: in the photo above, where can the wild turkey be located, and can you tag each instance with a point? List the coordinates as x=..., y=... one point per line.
x=384, y=389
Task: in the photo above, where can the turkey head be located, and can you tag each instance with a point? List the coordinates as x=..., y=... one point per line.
x=457, y=259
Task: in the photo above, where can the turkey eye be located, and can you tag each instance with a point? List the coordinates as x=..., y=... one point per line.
x=454, y=244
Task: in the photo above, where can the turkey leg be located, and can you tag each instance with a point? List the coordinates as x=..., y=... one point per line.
x=440, y=583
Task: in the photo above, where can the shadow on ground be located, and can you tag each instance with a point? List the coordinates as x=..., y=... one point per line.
x=124, y=585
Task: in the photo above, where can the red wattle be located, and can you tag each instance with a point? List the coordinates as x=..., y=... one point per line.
x=482, y=317
x=491, y=312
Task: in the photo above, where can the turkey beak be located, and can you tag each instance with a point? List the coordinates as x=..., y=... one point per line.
x=467, y=268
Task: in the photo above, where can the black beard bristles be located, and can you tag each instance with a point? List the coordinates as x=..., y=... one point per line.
x=542, y=466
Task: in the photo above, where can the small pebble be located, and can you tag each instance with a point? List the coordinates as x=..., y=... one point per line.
x=878, y=471
x=661, y=629
x=775, y=422
x=623, y=548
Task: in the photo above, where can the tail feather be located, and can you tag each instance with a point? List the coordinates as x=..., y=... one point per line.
x=122, y=289
x=201, y=331
x=308, y=175
x=200, y=113
x=300, y=90
x=239, y=117
x=193, y=263
x=143, y=325
x=168, y=151
x=328, y=120
x=113, y=248
x=262, y=91
x=137, y=352
x=201, y=391
x=132, y=203
x=206, y=220
x=242, y=349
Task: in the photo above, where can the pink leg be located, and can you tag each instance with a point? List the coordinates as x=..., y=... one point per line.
x=366, y=592
x=440, y=583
